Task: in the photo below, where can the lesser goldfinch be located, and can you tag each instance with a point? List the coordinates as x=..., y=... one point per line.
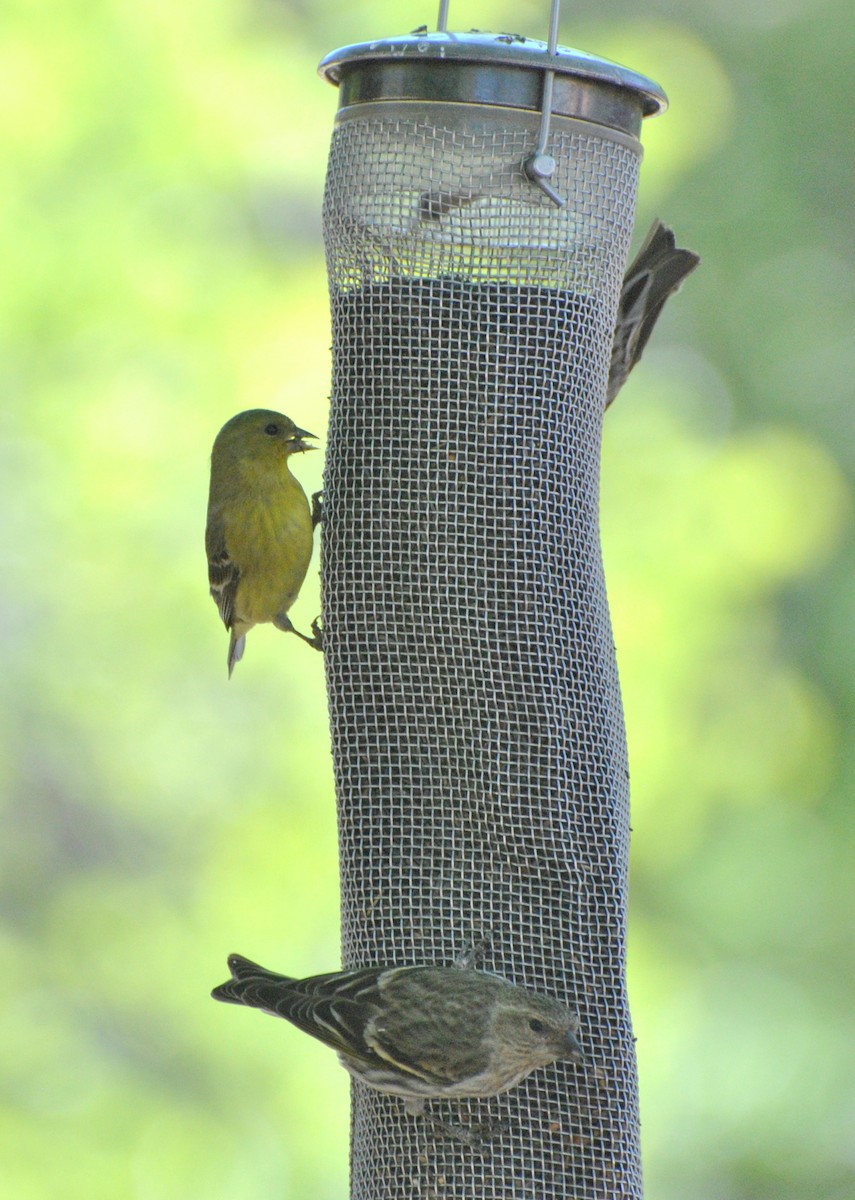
x=417, y=1032
x=259, y=532
x=656, y=272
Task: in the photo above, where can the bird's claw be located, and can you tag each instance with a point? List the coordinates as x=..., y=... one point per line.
x=317, y=638
x=316, y=641
x=317, y=508
x=472, y=952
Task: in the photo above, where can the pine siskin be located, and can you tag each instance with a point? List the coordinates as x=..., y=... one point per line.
x=417, y=1032
x=260, y=528
x=656, y=272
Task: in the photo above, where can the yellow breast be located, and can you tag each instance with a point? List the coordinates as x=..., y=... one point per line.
x=270, y=541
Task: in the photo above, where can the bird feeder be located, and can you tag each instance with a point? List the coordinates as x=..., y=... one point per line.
x=479, y=207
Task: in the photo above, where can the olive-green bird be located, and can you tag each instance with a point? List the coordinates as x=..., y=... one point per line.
x=260, y=527
x=656, y=272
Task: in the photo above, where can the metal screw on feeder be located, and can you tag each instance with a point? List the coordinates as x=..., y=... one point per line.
x=479, y=207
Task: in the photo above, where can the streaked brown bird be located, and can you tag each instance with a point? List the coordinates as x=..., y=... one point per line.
x=417, y=1032
x=656, y=272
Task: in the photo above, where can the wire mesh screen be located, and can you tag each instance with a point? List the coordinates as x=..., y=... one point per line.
x=477, y=728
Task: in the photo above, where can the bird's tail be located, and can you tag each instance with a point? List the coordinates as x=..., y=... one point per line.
x=236, y=645
x=251, y=984
x=655, y=273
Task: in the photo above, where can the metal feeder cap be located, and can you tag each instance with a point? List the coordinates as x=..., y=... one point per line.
x=491, y=68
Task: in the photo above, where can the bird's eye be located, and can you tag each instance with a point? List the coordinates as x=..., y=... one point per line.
x=272, y=429
x=536, y=1026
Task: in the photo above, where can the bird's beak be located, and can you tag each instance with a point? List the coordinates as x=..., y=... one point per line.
x=574, y=1051
x=299, y=444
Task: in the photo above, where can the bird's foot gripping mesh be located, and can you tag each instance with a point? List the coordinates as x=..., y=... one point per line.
x=476, y=720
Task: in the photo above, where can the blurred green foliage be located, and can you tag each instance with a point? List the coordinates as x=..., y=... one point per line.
x=162, y=269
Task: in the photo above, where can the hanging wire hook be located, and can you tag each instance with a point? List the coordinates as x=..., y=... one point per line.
x=540, y=166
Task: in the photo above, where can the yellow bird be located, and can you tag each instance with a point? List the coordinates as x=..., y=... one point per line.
x=260, y=526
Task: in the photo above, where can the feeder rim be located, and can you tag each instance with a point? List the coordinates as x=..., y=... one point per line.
x=503, y=49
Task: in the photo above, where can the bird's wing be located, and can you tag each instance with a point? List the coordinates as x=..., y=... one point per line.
x=335, y=1008
x=427, y=1065
x=223, y=573
x=429, y=1033
x=347, y=1010
x=656, y=272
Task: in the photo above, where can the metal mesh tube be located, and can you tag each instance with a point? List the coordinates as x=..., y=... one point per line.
x=477, y=729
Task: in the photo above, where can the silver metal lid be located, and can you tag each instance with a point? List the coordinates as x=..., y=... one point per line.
x=493, y=69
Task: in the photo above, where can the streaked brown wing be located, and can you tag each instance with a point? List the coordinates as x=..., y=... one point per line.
x=656, y=272
x=333, y=1008
x=435, y=1022
x=347, y=1011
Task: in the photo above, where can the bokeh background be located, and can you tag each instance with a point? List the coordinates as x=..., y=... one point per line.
x=160, y=269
